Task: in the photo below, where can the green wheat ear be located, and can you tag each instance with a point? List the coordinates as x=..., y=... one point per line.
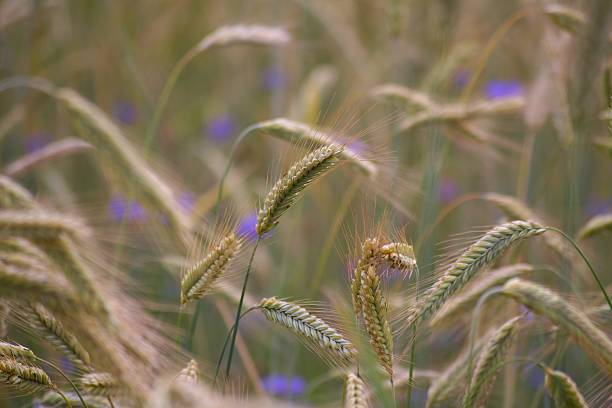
x=286, y=191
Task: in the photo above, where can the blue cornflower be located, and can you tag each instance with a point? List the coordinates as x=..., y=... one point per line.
x=246, y=227
x=284, y=386
x=273, y=78
x=499, y=89
x=221, y=128
x=125, y=112
x=37, y=141
x=448, y=190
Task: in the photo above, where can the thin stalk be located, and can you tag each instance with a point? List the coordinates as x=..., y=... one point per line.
x=192, y=327
x=66, y=400
x=413, y=346
x=577, y=248
x=165, y=94
x=59, y=370
x=345, y=202
x=239, y=310
x=110, y=401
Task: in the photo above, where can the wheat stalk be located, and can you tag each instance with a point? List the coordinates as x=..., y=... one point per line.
x=481, y=253
x=489, y=363
x=287, y=189
x=375, y=317
x=470, y=295
x=308, y=327
x=201, y=277
x=562, y=389
x=5, y=312
x=578, y=326
x=354, y=392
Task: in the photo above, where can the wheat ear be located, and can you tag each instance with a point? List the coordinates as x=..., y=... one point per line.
x=287, y=189
x=16, y=351
x=354, y=392
x=52, y=330
x=370, y=254
x=595, y=225
x=12, y=195
x=563, y=389
x=375, y=317
x=399, y=255
x=478, y=255
x=578, y=326
x=191, y=372
x=489, y=363
x=470, y=295
x=309, y=327
x=103, y=384
x=39, y=224
x=201, y=277
x=24, y=377
x=53, y=399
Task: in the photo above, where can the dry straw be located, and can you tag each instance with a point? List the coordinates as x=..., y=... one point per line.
x=595, y=225
x=470, y=295
x=308, y=327
x=201, y=277
x=577, y=325
x=53, y=399
x=483, y=252
x=489, y=363
x=375, y=313
x=563, y=390
x=354, y=392
x=287, y=189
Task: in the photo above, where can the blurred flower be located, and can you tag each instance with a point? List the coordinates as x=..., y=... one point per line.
x=356, y=146
x=448, y=190
x=419, y=397
x=221, y=128
x=37, y=141
x=125, y=113
x=246, y=227
x=120, y=209
x=281, y=385
x=498, y=89
x=117, y=207
x=597, y=206
x=534, y=377
x=66, y=365
x=273, y=78
x=186, y=200
x=137, y=212
x=529, y=316
x=461, y=78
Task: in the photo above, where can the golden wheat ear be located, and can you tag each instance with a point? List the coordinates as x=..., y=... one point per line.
x=562, y=389
x=354, y=392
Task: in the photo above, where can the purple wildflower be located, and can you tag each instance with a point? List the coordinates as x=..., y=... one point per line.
x=125, y=113
x=534, y=377
x=137, y=212
x=273, y=78
x=461, y=78
x=448, y=190
x=246, y=227
x=37, y=141
x=597, y=206
x=283, y=386
x=221, y=128
x=117, y=208
x=187, y=201
x=499, y=89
